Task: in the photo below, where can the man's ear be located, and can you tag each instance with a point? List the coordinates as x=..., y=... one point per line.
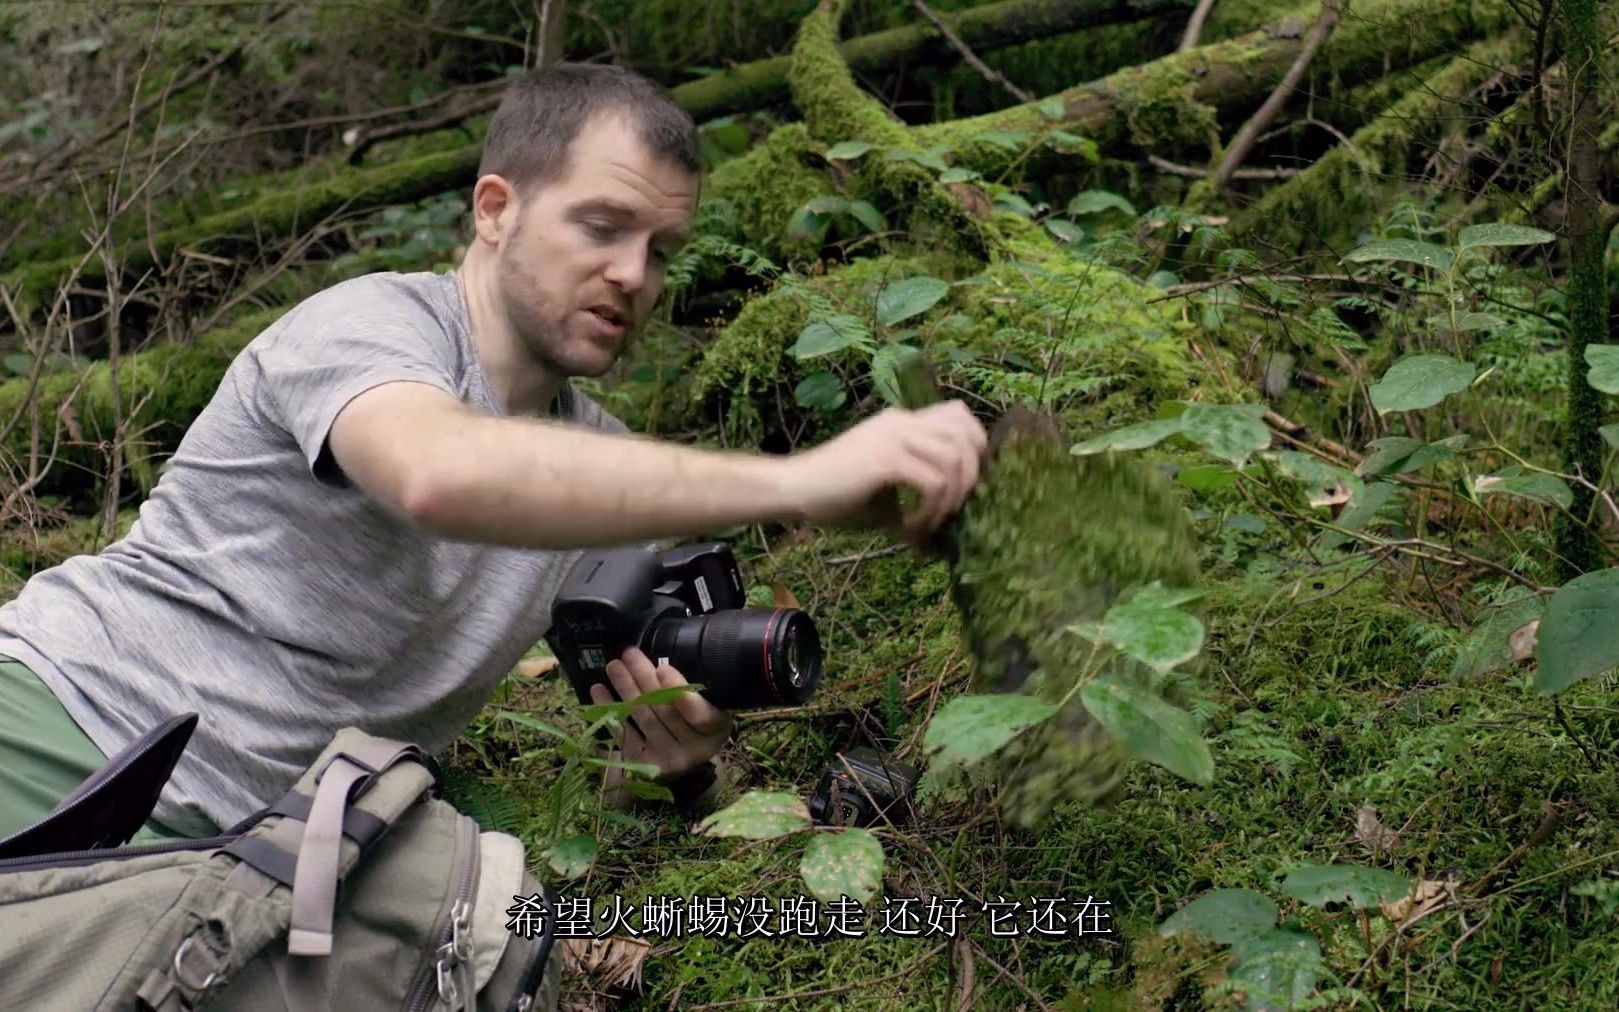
x=494, y=209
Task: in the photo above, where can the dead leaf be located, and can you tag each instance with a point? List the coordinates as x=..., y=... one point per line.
x=1428, y=895
x=1521, y=644
x=534, y=667
x=973, y=199
x=784, y=597
x=1371, y=833
x=1335, y=494
x=607, y=962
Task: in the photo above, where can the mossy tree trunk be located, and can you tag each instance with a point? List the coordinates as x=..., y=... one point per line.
x=1587, y=238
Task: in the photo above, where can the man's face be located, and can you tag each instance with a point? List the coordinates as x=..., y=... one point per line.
x=583, y=265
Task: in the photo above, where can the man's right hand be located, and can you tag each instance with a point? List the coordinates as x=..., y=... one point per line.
x=854, y=479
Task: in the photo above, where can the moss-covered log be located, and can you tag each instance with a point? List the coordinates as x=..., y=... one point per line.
x=161, y=390
x=1335, y=197
x=835, y=108
x=1178, y=100
x=763, y=82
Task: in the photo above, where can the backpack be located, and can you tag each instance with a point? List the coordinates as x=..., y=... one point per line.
x=360, y=889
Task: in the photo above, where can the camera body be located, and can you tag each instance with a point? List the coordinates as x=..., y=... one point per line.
x=841, y=798
x=685, y=606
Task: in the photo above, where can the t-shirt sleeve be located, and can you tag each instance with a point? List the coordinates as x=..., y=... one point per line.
x=329, y=354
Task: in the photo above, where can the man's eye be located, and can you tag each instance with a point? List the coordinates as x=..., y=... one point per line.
x=600, y=230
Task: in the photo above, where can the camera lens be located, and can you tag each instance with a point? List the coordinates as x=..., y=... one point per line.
x=744, y=657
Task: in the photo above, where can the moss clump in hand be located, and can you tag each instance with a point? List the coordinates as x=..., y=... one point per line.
x=1048, y=540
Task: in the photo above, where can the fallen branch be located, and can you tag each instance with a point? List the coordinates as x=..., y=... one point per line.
x=1243, y=143
x=1194, y=25
x=1193, y=172
x=967, y=54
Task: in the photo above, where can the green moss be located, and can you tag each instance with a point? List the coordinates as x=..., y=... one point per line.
x=746, y=371
x=767, y=186
x=1046, y=541
x=162, y=390
x=1173, y=100
x=26, y=551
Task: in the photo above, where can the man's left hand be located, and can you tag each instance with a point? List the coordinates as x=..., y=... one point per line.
x=676, y=737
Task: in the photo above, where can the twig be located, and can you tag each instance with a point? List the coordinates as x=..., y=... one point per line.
x=362, y=140
x=1193, y=172
x=1562, y=719
x=1009, y=975
x=844, y=560
x=965, y=952
x=967, y=54
x=1194, y=26
x=823, y=992
x=1249, y=133
x=1551, y=815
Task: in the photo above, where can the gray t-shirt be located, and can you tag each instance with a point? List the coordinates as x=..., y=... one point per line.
x=261, y=591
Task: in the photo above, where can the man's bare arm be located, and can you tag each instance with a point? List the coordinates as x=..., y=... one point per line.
x=529, y=483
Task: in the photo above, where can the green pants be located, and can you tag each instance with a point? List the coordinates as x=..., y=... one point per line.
x=43, y=754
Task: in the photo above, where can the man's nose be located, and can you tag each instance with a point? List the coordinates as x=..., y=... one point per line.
x=627, y=267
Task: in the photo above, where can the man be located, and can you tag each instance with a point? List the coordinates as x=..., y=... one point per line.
x=370, y=519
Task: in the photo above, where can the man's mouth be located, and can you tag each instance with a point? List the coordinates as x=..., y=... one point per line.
x=611, y=316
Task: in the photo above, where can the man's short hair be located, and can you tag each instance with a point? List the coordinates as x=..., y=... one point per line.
x=532, y=133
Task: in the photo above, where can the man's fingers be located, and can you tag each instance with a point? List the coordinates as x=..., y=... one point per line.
x=629, y=687
x=700, y=716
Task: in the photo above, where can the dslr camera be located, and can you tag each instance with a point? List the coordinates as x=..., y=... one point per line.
x=687, y=607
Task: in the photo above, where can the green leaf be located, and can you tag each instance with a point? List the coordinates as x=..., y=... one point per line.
x=1603, y=360
x=1207, y=477
x=1466, y=322
x=929, y=159
x=1610, y=435
x=1011, y=140
x=85, y=45
x=848, y=862
x=806, y=224
x=1014, y=203
x=1320, y=884
x=1069, y=142
x=1277, y=969
x=868, y=216
x=847, y=149
x=910, y=297
x=18, y=363
x=1420, y=381
x=1052, y=108
x=1150, y=628
x=573, y=856
x=827, y=203
x=1097, y=201
x=758, y=815
x=1224, y=916
x=885, y=371
x=1231, y=432
x=1488, y=648
x=1501, y=234
x=1150, y=728
x=668, y=694
x=536, y=724
x=826, y=335
x=1131, y=437
x=1546, y=488
x=820, y=391
x=958, y=174
x=1578, y=637
x=1324, y=484
x=1406, y=250
x=1163, y=279
x=1362, y=510
x=968, y=728
x=1064, y=230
